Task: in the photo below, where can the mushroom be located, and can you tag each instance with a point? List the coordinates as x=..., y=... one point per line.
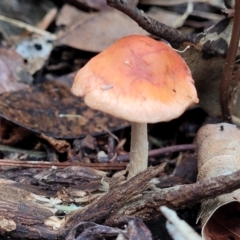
x=140, y=80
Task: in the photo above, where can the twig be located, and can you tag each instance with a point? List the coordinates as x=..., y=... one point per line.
x=162, y=151
x=28, y=27
x=177, y=197
x=38, y=155
x=151, y=25
x=48, y=19
x=99, y=166
x=40, y=164
x=230, y=61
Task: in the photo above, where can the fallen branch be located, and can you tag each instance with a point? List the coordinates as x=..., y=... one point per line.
x=41, y=164
x=147, y=206
x=151, y=25
x=214, y=41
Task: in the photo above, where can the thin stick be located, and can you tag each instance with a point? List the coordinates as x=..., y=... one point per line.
x=162, y=151
x=99, y=166
x=230, y=60
x=151, y=25
x=28, y=27
x=40, y=164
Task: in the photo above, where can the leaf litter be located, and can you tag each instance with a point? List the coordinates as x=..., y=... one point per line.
x=51, y=142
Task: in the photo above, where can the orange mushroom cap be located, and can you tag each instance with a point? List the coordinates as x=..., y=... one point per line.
x=138, y=79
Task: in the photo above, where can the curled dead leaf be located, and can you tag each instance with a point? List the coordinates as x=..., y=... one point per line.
x=218, y=154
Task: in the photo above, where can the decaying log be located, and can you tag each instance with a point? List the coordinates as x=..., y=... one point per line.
x=24, y=215
x=21, y=216
x=28, y=212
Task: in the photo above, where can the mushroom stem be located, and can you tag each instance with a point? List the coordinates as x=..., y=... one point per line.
x=138, y=149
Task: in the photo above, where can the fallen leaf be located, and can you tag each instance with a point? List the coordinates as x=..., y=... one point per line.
x=13, y=75
x=51, y=109
x=163, y=16
x=70, y=14
x=112, y=25
x=225, y=223
x=218, y=155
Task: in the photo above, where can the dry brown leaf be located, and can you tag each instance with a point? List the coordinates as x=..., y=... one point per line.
x=70, y=14
x=224, y=224
x=218, y=154
x=111, y=26
x=51, y=109
x=13, y=75
x=207, y=72
x=164, y=16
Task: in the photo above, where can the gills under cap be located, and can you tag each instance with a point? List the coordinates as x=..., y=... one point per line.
x=138, y=79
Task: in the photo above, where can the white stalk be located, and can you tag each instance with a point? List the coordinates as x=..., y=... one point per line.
x=138, y=149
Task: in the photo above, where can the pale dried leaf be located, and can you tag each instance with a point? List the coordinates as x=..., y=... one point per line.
x=163, y=15
x=218, y=154
x=13, y=75
x=70, y=14
x=111, y=26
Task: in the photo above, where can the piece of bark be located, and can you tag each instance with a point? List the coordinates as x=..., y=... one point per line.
x=21, y=216
x=113, y=200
